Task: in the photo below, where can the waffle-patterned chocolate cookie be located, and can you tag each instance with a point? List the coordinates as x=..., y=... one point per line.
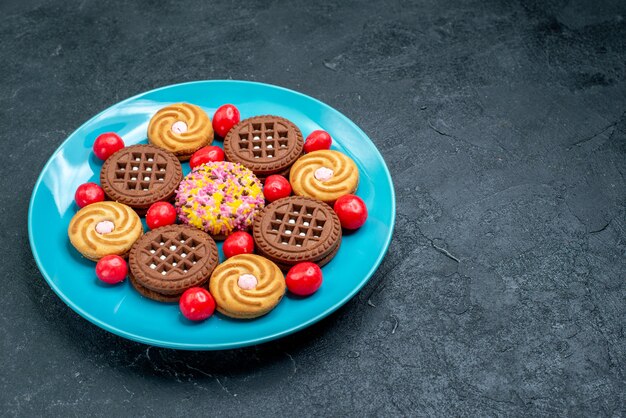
x=140, y=175
x=169, y=260
x=151, y=294
x=104, y=228
x=247, y=286
x=181, y=128
x=325, y=175
x=297, y=229
x=265, y=144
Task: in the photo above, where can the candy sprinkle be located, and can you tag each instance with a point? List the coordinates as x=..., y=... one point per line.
x=214, y=199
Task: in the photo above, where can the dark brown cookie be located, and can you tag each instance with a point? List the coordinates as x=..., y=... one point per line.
x=151, y=294
x=297, y=229
x=265, y=144
x=140, y=175
x=169, y=260
x=321, y=262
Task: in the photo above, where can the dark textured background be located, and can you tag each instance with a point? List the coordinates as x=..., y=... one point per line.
x=504, y=127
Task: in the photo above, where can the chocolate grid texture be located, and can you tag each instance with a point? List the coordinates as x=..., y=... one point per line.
x=264, y=140
x=300, y=225
x=265, y=144
x=173, y=254
x=140, y=171
x=296, y=229
x=140, y=175
x=173, y=258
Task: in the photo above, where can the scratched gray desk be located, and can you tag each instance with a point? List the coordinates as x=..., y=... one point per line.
x=503, y=125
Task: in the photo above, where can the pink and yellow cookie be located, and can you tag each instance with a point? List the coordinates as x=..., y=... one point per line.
x=219, y=198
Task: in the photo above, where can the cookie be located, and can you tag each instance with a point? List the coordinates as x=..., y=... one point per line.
x=181, y=128
x=140, y=175
x=104, y=228
x=324, y=175
x=151, y=294
x=169, y=260
x=296, y=229
x=219, y=198
x=265, y=144
x=247, y=286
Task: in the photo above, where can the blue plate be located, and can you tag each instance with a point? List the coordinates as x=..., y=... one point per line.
x=120, y=309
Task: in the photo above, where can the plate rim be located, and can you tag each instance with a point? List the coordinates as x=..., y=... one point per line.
x=219, y=346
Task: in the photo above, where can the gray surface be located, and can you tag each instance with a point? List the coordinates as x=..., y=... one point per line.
x=504, y=127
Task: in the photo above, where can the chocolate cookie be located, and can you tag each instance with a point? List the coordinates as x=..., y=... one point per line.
x=265, y=144
x=140, y=175
x=151, y=294
x=169, y=260
x=297, y=229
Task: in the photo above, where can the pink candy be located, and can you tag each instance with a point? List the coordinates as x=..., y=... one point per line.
x=247, y=282
x=323, y=173
x=179, y=127
x=105, y=227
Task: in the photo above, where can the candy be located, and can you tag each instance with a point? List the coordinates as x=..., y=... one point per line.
x=304, y=279
x=196, y=304
x=317, y=140
x=111, y=269
x=107, y=144
x=276, y=187
x=225, y=118
x=160, y=214
x=88, y=193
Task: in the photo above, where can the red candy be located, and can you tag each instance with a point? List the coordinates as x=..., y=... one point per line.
x=107, y=144
x=160, y=214
x=197, y=304
x=351, y=210
x=88, y=193
x=238, y=243
x=205, y=155
x=276, y=187
x=304, y=279
x=111, y=269
x=317, y=140
x=225, y=118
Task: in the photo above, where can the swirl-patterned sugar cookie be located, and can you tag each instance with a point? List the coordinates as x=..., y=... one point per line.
x=181, y=128
x=297, y=229
x=104, y=228
x=169, y=260
x=219, y=198
x=141, y=175
x=324, y=175
x=265, y=144
x=247, y=286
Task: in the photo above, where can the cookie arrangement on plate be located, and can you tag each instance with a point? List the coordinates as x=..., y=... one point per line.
x=273, y=241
